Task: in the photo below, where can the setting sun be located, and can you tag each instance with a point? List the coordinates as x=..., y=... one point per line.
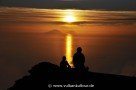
x=69, y=19
x=69, y=16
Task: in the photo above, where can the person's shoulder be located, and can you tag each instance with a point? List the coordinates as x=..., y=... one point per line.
x=82, y=54
x=75, y=54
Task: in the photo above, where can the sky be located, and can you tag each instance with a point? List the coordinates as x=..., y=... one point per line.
x=77, y=4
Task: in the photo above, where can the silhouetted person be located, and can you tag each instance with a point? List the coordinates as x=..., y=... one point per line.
x=64, y=64
x=79, y=59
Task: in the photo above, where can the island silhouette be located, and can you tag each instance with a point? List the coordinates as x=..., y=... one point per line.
x=55, y=32
x=47, y=75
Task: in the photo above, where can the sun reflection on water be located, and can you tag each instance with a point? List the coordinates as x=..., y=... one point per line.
x=69, y=49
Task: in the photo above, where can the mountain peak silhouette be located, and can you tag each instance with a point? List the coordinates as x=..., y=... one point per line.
x=44, y=75
x=55, y=32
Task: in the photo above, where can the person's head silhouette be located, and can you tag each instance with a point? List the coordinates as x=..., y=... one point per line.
x=79, y=49
x=64, y=58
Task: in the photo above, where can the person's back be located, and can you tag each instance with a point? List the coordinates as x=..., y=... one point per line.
x=79, y=59
x=64, y=64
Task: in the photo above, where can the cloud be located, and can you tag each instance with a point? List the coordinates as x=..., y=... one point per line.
x=45, y=16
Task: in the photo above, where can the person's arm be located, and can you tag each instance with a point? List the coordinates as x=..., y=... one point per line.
x=68, y=65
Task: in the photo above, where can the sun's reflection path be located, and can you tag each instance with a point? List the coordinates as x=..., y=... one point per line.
x=69, y=49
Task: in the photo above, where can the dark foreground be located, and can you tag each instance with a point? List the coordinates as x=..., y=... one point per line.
x=46, y=75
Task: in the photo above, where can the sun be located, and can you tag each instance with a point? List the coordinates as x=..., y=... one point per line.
x=69, y=19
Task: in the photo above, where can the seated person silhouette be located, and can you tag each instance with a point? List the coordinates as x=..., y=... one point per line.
x=79, y=60
x=64, y=64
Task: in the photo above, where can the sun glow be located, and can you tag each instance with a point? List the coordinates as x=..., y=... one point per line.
x=69, y=16
x=69, y=19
